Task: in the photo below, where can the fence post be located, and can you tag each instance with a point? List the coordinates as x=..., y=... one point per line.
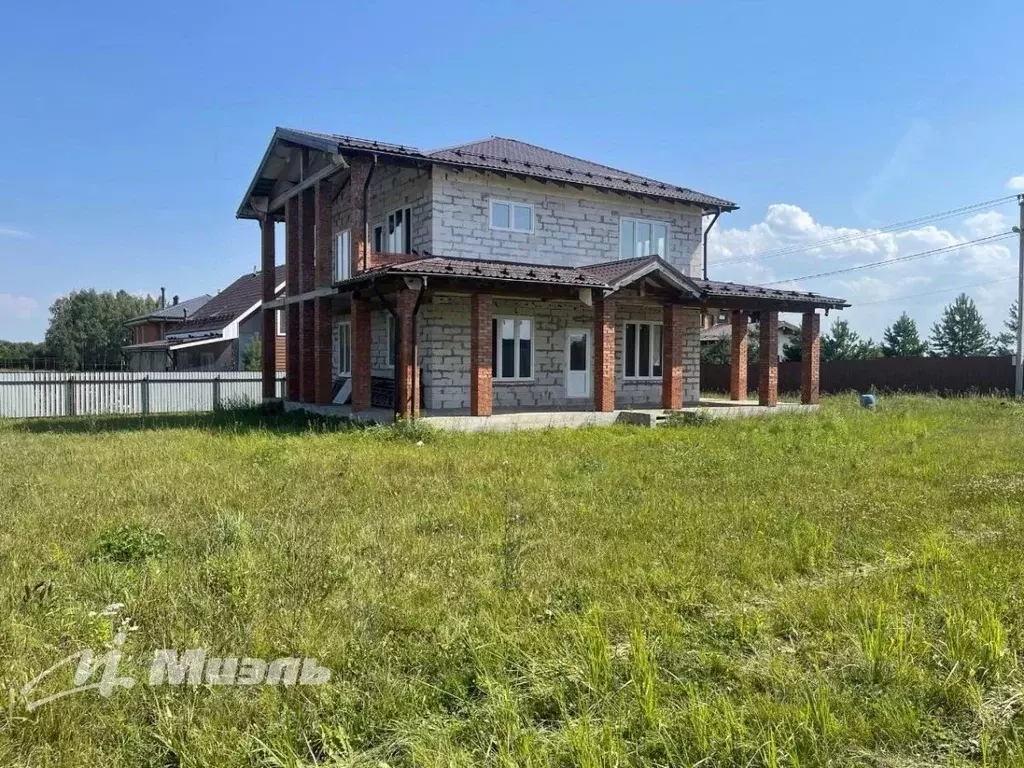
x=145, y=396
x=216, y=393
x=69, y=396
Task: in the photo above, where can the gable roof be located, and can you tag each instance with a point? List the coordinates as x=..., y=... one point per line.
x=497, y=154
x=179, y=311
x=227, y=306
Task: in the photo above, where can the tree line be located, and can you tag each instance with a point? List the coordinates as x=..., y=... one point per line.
x=86, y=331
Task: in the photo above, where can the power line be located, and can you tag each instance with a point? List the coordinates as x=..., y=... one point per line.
x=933, y=293
x=889, y=228
x=909, y=257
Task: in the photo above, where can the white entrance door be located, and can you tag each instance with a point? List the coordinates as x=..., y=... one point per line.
x=577, y=362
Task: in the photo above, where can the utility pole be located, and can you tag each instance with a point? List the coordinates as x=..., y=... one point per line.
x=1019, y=380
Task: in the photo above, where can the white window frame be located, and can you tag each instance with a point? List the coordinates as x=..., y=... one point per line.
x=384, y=236
x=497, y=374
x=635, y=376
x=512, y=204
x=279, y=320
x=345, y=345
x=623, y=220
x=343, y=255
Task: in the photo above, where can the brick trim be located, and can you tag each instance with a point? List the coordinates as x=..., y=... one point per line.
x=604, y=355
x=481, y=386
x=738, y=356
x=768, y=386
x=810, y=358
x=672, y=357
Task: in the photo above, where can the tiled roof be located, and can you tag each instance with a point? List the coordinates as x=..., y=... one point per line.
x=227, y=305
x=605, y=276
x=178, y=311
x=715, y=288
x=513, y=156
x=720, y=331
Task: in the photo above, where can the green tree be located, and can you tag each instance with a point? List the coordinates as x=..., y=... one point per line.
x=720, y=350
x=1006, y=342
x=843, y=343
x=252, y=355
x=902, y=340
x=961, y=331
x=793, y=351
x=21, y=354
x=87, y=328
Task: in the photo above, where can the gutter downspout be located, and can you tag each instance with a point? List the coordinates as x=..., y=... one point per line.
x=366, y=217
x=706, y=233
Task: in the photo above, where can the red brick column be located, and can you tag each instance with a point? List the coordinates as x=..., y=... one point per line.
x=810, y=358
x=768, y=387
x=322, y=339
x=738, y=356
x=358, y=170
x=406, y=389
x=672, y=357
x=481, y=389
x=307, y=239
x=361, y=364
x=324, y=273
x=307, y=349
x=604, y=355
x=269, y=325
x=291, y=256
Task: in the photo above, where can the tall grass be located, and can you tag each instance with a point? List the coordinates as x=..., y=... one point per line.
x=836, y=589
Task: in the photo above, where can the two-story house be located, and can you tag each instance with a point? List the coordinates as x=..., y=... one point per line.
x=496, y=275
x=148, y=350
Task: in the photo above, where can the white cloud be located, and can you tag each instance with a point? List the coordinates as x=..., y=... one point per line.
x=12, y=232
x=987, y=223
x=1016, y=184
x=19, y=307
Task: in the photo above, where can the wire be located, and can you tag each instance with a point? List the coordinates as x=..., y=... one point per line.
x=889, y=228
x=909, y=257
x=933, y=293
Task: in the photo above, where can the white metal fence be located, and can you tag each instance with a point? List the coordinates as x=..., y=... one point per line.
x=47, y=393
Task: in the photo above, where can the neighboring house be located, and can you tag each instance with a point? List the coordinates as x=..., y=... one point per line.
x=493, y=275
x=149, y=349
x=721, y=330
x=215, y=337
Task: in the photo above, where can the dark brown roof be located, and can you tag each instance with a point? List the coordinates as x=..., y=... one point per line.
x=513, y=156
x=608, y=276
x=227, y=306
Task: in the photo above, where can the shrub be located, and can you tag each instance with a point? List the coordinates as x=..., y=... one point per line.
x=130, y=543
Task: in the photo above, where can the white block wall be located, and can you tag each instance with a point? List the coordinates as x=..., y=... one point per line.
x=571, y=227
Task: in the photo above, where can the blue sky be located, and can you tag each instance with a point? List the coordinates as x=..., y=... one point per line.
x=132, y=129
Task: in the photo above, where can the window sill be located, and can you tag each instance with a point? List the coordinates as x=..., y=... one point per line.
x=495, y=380
x=641, y=379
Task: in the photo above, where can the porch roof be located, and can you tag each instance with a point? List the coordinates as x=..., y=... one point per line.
x=607, y=277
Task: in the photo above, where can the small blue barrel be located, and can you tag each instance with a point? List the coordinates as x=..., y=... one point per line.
x=867, y=401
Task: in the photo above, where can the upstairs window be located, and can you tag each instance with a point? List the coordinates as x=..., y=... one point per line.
x=511, y=217
x=641, y=356
x=512, y=349
x=641, y=237
x=343, y=256
x=345, y=348
x=395, y=234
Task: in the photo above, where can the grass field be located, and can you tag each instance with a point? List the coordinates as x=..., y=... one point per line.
x=843, y=589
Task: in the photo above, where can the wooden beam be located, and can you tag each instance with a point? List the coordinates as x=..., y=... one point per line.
x=306, y=183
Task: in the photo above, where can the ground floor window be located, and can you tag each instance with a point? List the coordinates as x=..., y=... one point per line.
x=345, y=349
x=512, y=349
x=642, y=349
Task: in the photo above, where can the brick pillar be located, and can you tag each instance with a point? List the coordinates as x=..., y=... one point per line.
x=810, y=358
x=291, y=256
x=324, y=271
x=361, y=366
x=307, y=239
x=738, y=357
x=406, y=389
x=269, y=330
x=672, y=357
x=307, y=349
x=604, y=355
x=322, y=340
x=768, y=387
x=359, y=168
x=481, y=390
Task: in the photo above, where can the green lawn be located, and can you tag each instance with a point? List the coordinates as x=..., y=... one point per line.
x=843, y=588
